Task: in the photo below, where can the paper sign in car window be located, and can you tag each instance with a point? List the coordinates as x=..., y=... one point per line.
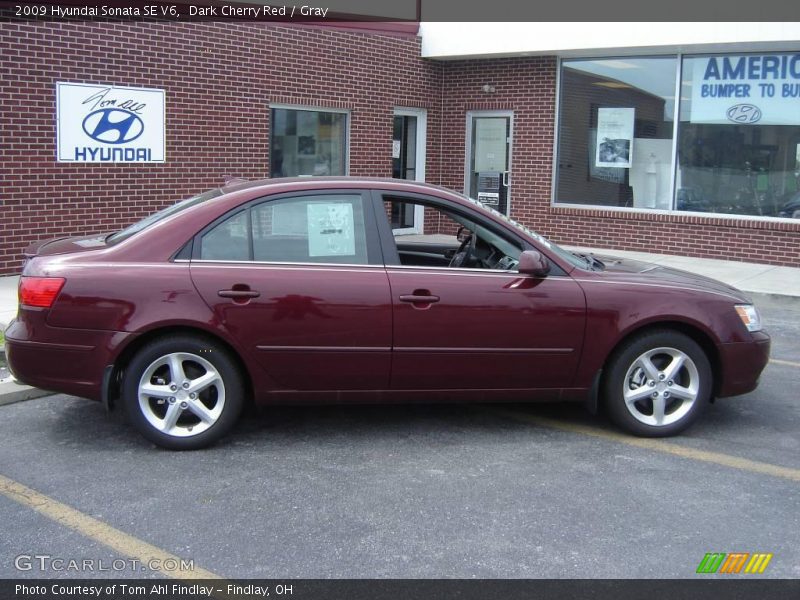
x=331, y=229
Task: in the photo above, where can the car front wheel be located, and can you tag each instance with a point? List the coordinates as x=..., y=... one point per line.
x=657, y=384
x=183, y=392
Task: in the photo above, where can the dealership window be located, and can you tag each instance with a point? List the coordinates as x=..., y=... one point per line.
x=307, y=142
x=615, y=134
x=739, y=134
x=735, y=134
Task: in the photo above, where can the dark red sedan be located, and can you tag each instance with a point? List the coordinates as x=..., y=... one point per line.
x=322, y=290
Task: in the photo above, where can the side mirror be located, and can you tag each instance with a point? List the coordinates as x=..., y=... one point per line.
x=531, y=262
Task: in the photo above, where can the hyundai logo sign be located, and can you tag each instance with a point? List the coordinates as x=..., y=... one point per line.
x=113, y=126
x=110, y=123
x=744, y=114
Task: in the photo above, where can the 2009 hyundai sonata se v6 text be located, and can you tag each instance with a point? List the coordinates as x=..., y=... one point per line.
x=321, y=290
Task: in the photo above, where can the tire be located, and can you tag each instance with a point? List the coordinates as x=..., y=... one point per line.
x=192, y=410
x=663, y=362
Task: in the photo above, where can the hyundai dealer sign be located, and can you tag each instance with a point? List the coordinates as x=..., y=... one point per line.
x=111, y=124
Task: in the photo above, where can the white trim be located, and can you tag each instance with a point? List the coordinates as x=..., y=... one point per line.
x=463, y=40
x=419, y=166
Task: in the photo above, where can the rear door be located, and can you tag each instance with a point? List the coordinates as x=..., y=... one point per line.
x=299, y=281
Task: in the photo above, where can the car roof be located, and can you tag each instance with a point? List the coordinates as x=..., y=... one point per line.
x=290, y=183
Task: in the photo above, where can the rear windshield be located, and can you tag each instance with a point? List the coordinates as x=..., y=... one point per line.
x=162, y=214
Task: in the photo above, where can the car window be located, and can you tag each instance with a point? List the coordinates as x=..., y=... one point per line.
x=227, y=241
x=307, y=229
x=319, y=229
x=441, y=233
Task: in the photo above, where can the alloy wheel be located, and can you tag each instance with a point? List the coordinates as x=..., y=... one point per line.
x=181, y=394
x=661, y=386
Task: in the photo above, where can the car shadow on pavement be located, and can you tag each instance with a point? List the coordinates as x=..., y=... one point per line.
x=86, y=424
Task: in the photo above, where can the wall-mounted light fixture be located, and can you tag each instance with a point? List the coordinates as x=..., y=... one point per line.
x=488, y=89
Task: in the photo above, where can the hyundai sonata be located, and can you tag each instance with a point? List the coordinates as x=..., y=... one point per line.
x=367, y=290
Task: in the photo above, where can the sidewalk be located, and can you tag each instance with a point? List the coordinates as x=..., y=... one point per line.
x=749, y=277
x=8, y=300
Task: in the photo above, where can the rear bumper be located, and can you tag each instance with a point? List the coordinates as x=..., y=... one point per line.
x=742, y=364
x=70, y=361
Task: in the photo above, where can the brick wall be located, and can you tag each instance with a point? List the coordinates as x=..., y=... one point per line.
x=219, y=79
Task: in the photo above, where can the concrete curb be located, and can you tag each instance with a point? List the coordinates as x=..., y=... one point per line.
x=11, y=392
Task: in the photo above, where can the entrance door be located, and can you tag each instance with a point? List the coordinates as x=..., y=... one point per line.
x=489, y=158
x=408, y=162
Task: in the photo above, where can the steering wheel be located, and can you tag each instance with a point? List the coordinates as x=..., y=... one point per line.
x=465, y=251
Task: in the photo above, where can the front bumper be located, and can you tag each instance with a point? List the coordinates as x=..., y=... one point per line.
x=742, y=363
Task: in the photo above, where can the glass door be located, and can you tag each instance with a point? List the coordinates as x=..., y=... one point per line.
x=489, y=158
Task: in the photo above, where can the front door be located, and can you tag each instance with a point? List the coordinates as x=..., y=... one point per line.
x=482, y=325
x=484, y=330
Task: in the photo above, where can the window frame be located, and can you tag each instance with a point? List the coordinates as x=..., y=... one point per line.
x=373, y=245
x=311, y=108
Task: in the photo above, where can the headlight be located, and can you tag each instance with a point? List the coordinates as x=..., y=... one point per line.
x=749, y=316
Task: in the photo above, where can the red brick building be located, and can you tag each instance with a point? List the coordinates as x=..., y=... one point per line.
x=252, y=100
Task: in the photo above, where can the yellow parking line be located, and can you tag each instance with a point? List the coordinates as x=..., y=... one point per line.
x=657, y=445
x=98, y=531
x=786, y=363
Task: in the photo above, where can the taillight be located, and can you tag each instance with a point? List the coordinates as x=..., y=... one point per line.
x=39, y=291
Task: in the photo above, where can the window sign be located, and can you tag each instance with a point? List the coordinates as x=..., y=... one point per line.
x=112, y=124
x=761, y=89
x=331, y=229
x=614, y=137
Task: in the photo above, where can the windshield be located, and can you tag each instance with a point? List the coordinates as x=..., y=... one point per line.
x=573, y=259
x=162, y=214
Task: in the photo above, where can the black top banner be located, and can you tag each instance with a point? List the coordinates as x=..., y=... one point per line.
x=412, y=10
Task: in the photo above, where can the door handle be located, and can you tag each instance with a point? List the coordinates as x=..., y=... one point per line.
x=419, y=297
x=240, y=293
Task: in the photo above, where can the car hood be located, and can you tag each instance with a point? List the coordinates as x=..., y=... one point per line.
x=65, y=245
x=635, y=271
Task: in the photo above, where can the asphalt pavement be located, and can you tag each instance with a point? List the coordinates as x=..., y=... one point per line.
x=441, y=491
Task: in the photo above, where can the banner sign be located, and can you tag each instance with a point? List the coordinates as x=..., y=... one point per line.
x=757, y=89
x=614, y=137
x=109, y=124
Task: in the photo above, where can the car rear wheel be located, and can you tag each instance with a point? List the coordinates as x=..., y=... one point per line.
x=183, y=392
x=657, y=384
